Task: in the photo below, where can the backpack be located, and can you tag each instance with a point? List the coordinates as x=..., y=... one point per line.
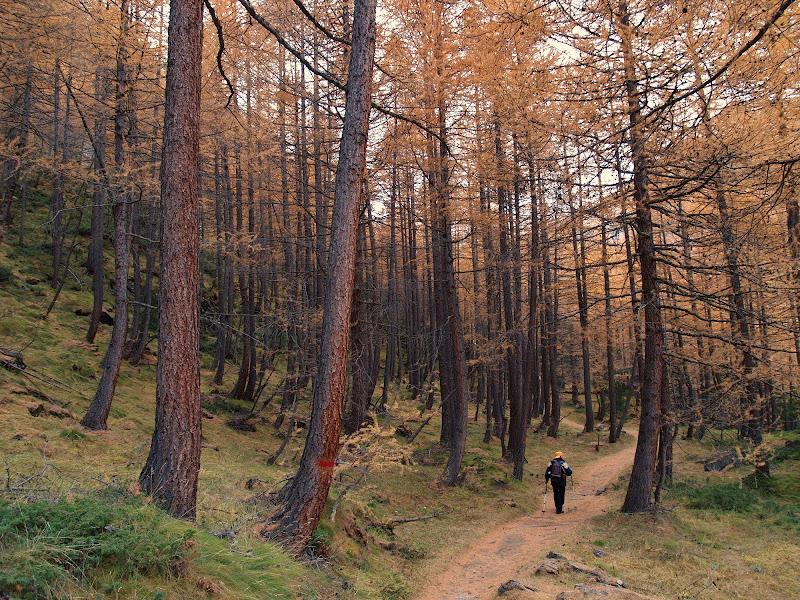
x=557, y=469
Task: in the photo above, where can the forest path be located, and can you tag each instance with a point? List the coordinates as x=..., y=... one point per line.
x=517, y=548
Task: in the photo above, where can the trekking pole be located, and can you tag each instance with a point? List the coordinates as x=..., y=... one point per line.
x=574, y=497
x=544, y=498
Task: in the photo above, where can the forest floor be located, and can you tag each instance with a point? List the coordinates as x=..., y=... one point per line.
x=516, y=549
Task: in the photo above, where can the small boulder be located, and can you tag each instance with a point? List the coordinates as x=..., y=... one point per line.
x=253, y=482
x=36, y=409
x=403, y=430
x=600, y=575
x=512, y=585
x=547, y=568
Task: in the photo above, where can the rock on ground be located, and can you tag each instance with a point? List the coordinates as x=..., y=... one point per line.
x=585, y=592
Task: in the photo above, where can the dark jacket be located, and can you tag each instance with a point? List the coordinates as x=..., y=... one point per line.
x=564, y=469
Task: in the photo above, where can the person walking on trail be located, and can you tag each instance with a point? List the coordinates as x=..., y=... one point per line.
x=557, y=472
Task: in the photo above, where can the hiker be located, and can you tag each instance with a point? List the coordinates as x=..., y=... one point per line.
x=557, y=472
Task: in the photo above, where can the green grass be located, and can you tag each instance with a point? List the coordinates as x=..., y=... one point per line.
x=49, y=548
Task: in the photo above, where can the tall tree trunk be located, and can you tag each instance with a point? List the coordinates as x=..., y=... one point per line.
x=97, y=415
x=517, y=416
x=583, y=306
x=303, y=500
x=150, y=248
x=637, y=367
x=546, y=332
x=610, y=370
x=57, y=201
x=638, y=496
x=171, y=472
x=551, y=309
x=16, y=163
x=534, y=310
x=98, y=210
x=244, y=266
x=356, y=407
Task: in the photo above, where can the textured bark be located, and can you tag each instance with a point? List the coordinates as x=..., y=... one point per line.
x=546, y=335
x=239, y=390
x=171, y=471
x=452, y=332
x=638, y=356
x=297, y=517
x=412, y=296
x=638, y=496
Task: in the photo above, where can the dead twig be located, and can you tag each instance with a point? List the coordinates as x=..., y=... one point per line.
x=390, y=523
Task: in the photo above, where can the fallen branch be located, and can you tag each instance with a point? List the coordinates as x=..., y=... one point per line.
x=422, y=426
x=389, y=524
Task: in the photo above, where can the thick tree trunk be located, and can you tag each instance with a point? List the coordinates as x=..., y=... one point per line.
x=638, y=496
x=171, y=472
x=303, y=500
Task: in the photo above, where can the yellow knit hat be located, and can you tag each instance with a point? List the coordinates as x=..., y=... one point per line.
x=558, y=454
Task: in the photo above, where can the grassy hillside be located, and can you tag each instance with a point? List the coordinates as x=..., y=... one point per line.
x=73, y=524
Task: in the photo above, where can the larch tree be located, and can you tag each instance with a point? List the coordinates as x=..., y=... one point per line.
x=303, y=500
x=171, y=471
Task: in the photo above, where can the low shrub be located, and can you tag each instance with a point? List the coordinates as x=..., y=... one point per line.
x=725, y=496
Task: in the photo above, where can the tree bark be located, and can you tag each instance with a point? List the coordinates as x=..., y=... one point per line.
x=171, y=472
x=638, y=496
x=303, y=500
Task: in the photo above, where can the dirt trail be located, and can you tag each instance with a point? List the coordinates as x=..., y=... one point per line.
x=514, y=550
